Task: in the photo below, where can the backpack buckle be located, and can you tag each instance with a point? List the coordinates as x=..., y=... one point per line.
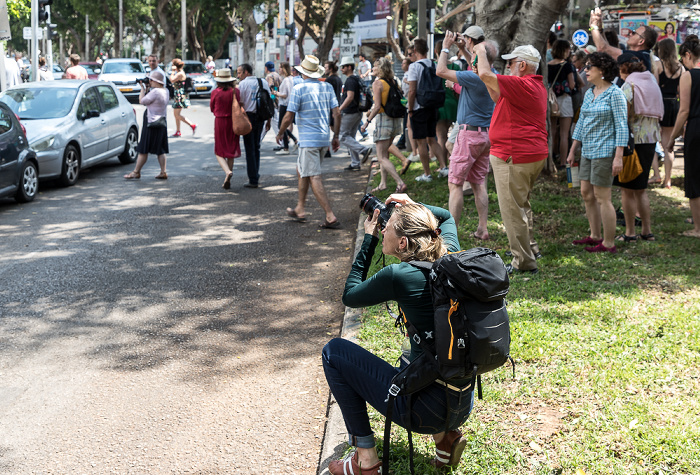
x=416, y=338
x=393, y=391
x=460, y=343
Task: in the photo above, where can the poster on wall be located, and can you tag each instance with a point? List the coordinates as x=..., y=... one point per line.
x=687, y=27
x=630, y=24
x=665, y=29
x=375, y=10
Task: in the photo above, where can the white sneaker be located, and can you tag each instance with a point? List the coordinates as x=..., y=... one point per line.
x=294, y=147
x=425, y=178
x=442, y=173
x=414, y=158
x=282, y=152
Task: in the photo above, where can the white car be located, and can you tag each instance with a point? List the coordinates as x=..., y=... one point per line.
x=73, y=124
x=123, y=73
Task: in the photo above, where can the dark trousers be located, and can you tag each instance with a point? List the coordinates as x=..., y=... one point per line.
x=252, y=148
x=287, y=134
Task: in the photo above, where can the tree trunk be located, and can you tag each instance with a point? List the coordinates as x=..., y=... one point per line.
x=171, y=35
x=250, y=30
x=513, y=23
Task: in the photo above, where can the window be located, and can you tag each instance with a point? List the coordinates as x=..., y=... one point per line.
x=89, y=101
x=109, y=98
x=5, y=122
x=40, y=103
x=122, y=68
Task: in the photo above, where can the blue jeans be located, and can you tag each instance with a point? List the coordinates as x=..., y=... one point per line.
x=357, y=377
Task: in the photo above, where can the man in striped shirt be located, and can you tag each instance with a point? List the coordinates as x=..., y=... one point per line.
x=310, y=103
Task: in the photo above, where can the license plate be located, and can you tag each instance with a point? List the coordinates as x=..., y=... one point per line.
x=126, y=89
x=200, y=88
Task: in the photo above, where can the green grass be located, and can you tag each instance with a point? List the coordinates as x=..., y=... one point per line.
x=607, y=348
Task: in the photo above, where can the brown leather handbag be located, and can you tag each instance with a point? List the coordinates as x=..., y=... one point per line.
x=241, y=123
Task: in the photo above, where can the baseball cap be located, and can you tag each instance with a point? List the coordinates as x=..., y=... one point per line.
x=474, y=32
x=270, y=66
x=526, y=52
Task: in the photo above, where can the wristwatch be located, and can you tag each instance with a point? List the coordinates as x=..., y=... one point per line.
x=445, y=50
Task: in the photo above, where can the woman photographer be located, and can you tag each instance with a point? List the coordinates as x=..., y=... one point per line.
x=154, y=133
x=357, y=377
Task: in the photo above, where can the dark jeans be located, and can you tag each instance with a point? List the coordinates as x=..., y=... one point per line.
x=252, y=148
x=357, y=377
x=287, y=134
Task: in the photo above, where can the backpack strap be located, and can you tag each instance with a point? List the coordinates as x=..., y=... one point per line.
x=387, y=433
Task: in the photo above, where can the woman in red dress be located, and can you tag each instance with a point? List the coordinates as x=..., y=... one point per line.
x=226, y=144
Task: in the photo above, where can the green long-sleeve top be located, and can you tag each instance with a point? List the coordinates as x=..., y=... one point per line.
x=403, y=283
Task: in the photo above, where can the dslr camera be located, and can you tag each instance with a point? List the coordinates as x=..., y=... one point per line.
x=143, y=81
x=369, y=203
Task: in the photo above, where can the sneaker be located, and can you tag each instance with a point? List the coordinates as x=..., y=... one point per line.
x=366, y=154
x=588, y=241
x=601, y=248
x=425, y=178
x=443, y=172
x=512, y=270
x=414, y=158
x=277, y=149
x=282, y=152
x=364, y=137
x=294, y=147
x=352, y=168
x=538, y=254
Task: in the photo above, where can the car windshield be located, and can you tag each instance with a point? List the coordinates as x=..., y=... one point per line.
x=195, y=68
x=57, y=68
x=40, y=103
x=122, y=68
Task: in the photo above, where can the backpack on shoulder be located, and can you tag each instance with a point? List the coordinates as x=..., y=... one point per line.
x=365, y=100
x=266, y=106
x=472, y=330
x=393, y=107
x=431, y=93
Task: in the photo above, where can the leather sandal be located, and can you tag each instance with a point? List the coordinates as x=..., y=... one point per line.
x=132, y=176
x=162, y=176
x=449, y=450
x=350, y=465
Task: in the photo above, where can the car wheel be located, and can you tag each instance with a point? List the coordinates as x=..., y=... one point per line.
x=129, y=154
x=29, y=183
x=71, y=166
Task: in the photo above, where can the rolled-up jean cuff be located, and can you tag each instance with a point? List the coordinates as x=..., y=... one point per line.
x=363, y=442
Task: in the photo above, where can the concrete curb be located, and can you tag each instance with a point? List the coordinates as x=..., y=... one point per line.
x=335, y=436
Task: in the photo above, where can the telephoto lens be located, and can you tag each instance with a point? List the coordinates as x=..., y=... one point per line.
x=369, y=203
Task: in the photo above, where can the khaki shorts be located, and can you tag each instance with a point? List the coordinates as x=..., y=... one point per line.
x=597, y=171
x=309, y=160
x=387, y=127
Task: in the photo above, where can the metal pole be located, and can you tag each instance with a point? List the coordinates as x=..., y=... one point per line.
x=87, y=38
x=184, y=29
x=431, y=41
x=293, y=42
x=282, y=23
x=3, y=77
x=34, y=45
x=422, y=10
x=121, y=28
x=49, y=43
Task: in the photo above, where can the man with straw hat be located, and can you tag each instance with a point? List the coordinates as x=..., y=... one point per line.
x=309, y=103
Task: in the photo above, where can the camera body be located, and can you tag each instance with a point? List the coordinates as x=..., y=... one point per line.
x=369, y=203
x=144, y=81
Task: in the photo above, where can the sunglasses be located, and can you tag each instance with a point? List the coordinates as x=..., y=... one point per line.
x=587, y=67
x=512, y=61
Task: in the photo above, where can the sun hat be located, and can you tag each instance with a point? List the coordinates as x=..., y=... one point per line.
x=157, y=76
x=310, y=67
x=347, y=60
x=590, y=49
x=474, y=32
x=270, y=66
x=526, y=52
x=224, y=75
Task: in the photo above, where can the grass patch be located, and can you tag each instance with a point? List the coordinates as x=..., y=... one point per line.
x=607, y=347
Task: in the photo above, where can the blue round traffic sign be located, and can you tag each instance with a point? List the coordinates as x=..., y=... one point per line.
x=580, y=38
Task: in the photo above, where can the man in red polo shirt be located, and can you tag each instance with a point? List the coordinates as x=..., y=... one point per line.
x=518, y=138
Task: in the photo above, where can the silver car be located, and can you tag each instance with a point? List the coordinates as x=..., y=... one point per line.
x=73, y=124
x=124, y=74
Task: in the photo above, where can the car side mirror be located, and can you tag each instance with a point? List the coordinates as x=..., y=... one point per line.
x=91, y=113
x=98, y=70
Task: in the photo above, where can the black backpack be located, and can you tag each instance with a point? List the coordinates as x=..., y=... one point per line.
x=365, y=101
x=393, y=107
x=188, y=85
x=266, y=106
x=472, y=330
x=431, y=92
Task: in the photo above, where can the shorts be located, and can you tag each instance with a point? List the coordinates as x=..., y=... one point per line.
x=596, y=171
x=387, y=127
x=309, y=160
x=424, y=123
x=566, y=106
x=452, y=137
x=470, y=157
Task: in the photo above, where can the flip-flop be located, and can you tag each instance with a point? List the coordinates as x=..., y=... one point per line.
x=654, y=181
x=330, y=225
x=293, y=214
x=401, y=188
x=406, y=167
x=227, y=181
x=374, y=190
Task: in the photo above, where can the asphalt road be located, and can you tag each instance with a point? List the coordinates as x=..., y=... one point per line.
x=170, y=326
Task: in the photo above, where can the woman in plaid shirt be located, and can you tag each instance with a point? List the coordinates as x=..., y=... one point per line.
x=602, y=132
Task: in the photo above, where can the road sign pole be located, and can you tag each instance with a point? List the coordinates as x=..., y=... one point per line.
x=35, y=25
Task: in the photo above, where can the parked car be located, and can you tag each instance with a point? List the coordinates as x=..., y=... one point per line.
x=57, y=71
x=202, y=81
x=123, y=73
x=19, y=169
x=93, y=68
x=73, y=125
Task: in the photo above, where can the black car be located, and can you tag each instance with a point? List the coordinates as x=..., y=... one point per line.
x=19, y=169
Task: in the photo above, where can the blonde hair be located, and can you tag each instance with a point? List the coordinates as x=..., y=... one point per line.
x=386, y=71
x=421, y=229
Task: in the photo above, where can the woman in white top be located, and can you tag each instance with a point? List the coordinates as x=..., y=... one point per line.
x=283, y=95
x=154, y=133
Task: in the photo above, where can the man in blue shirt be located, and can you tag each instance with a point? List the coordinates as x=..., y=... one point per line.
x=310, y=103
x=470, y=157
